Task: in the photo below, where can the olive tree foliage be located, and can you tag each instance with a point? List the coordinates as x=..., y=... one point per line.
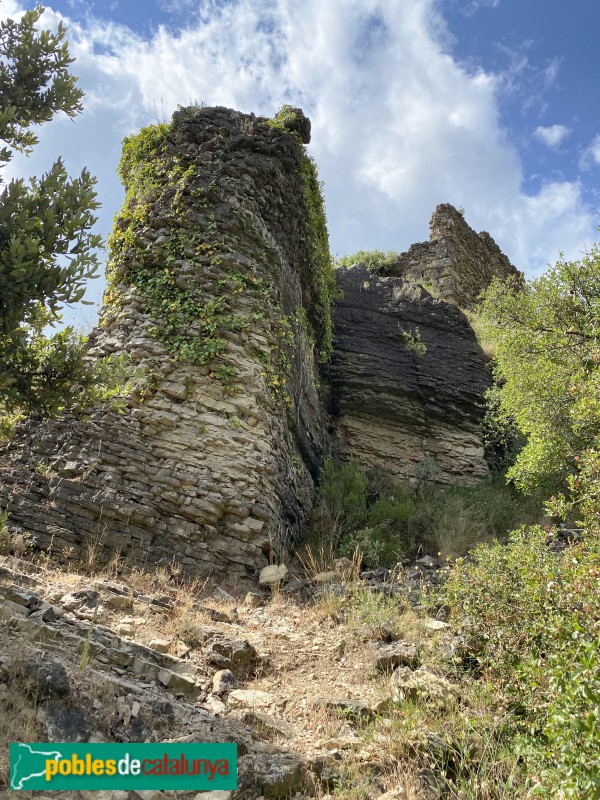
x=547, y=363
x=47, y=241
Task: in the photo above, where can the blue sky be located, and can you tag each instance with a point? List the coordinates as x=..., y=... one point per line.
x=548, y=55
x=487, y=104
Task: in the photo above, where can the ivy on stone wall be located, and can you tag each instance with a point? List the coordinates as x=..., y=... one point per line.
x=189, y=324
x=291, y=120
x=324, y=277
x=166, y=236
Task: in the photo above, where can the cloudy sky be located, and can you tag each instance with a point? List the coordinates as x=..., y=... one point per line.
x=487, y=104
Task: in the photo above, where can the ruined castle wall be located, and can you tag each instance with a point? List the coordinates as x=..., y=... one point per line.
x=456, y=263
x=214, y=296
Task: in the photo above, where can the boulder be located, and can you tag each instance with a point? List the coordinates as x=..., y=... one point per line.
x=273, y=575
x=423, y=684
x=229, y=653
x=179, y=684
x=279, y=777
x=386, y=657
x=46, y=676
x=255, y=599
x=223, y=681
x=160, y=645
x=260, y=720
x=250, y=698
x=66, y=724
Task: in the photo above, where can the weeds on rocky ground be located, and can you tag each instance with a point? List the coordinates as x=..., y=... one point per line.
x=460, y=748
x=522, y=653
x=525, y=613
x=19, y=706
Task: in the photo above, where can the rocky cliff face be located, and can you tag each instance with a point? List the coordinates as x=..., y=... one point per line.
x=408, y=380
x=217, y=293
x=416, y=413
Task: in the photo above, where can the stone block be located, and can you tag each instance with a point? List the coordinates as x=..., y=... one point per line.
x=179, y=684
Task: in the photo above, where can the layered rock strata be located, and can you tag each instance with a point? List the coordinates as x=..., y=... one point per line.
x=214, y=297
x=408, y=379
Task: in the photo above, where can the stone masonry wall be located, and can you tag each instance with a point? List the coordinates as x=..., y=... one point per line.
x=456, y=262
x=213, y=296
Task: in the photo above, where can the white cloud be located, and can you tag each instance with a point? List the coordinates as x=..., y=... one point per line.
x=552, y=135
x=591, y=155
x=475, y=5
x=398, y=125
x=551, y=72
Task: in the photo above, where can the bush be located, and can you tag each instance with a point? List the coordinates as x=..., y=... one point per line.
x=47, y=248
x=546, y=335
x=362, y=509
x=535, y=609
x=376, y=261
x=367, y=510
x=452, y=520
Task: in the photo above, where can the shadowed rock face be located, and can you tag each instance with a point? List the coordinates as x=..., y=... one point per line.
x=397, y=409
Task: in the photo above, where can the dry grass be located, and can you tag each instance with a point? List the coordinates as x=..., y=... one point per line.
x=187, y=625
x=329, y=605
x=18, y=710
x=315, y=651
x=317, y=559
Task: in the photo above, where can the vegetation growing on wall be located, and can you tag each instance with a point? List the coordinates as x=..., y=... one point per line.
x=319, y=257
x=324, y=278
x=161, y=184
x=376, y=261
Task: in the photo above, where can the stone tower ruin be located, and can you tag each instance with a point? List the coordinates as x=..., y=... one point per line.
x=214, y=295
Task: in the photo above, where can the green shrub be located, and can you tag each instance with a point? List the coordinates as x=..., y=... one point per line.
x=344, y=490
x=502, y=439
x=546, y=336
x=535, y=611
x=367, y=510
x=454, y=519
x=362, y=510
x=376, y=261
